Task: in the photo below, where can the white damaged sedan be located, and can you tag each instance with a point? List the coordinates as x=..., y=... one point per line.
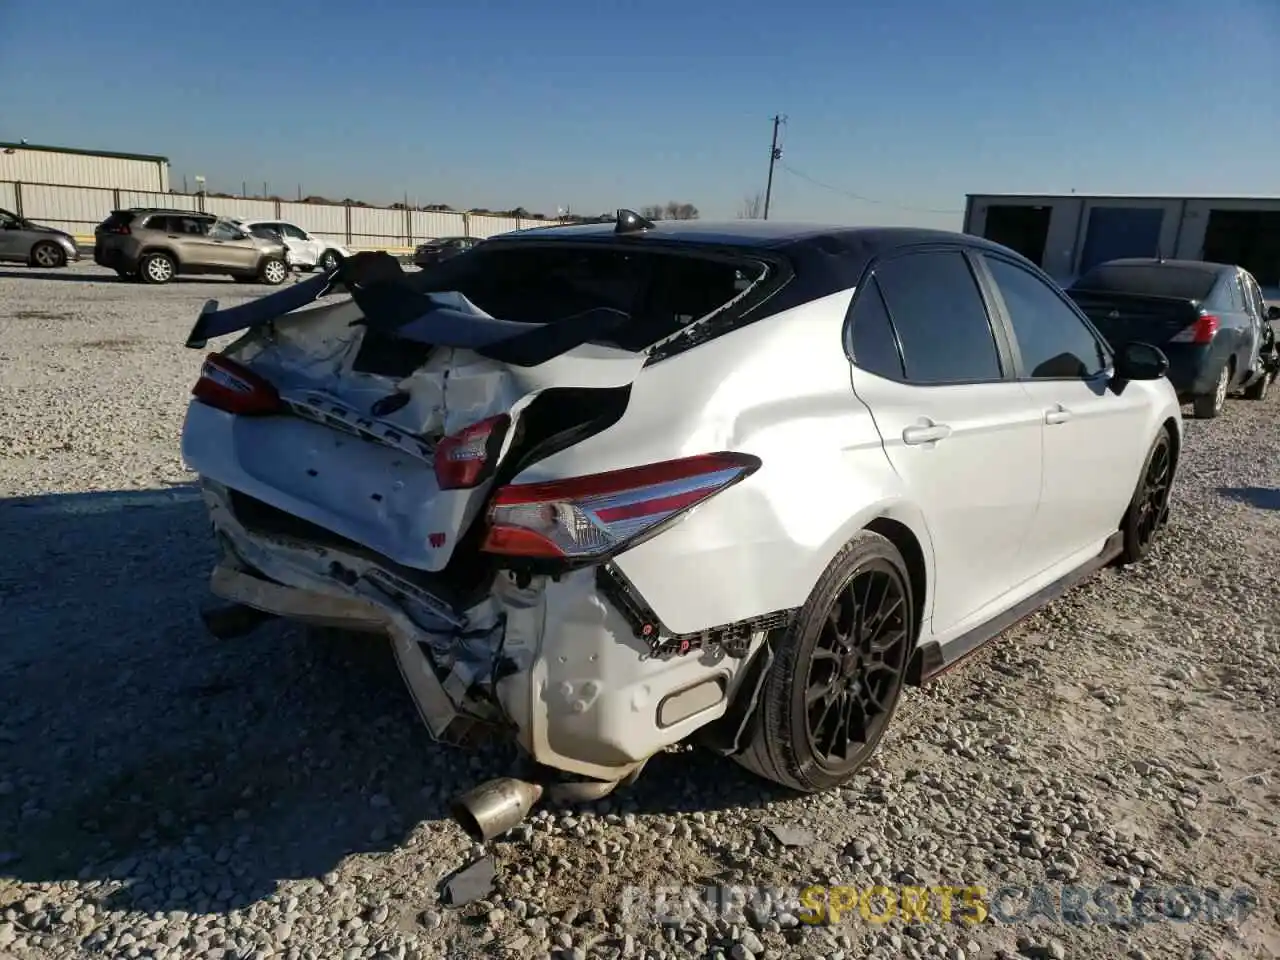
x=606, y=487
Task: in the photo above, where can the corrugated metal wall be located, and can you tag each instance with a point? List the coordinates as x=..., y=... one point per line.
x=79, y=209
x=82, y=170
x=432, y=226
x=240, y=209
x=492, y=226
x=326, y=220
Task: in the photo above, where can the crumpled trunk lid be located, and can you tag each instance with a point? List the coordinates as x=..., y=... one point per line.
x=354, y=453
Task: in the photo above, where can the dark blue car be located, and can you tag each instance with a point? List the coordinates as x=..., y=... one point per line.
x=1210, y=320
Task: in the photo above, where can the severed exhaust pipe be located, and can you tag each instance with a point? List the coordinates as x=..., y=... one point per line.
x=495, y=806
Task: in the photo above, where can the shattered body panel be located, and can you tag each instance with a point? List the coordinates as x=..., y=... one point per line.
x=332, y=508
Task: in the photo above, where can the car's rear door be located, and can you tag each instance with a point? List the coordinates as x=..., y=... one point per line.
x=1095, y=437
x=959, y=430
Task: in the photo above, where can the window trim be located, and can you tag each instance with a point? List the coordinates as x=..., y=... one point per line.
x=868, y=286
x=1021, y=374
x=1005, y=355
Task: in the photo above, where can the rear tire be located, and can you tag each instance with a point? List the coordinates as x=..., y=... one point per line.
x=1149, y=509
x=48, y=255
x=273, y=271
x=1210, y=405
x=157, y=268
x=839, y=671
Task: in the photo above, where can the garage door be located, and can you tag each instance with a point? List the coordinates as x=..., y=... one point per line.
x=1116, y=232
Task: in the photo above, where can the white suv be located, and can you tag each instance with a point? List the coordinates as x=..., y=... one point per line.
x=306, y=250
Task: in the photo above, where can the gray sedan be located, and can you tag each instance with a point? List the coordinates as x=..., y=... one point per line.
x=30, y=243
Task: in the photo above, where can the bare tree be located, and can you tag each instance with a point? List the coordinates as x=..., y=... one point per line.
x=752, y=206
x=671, y=210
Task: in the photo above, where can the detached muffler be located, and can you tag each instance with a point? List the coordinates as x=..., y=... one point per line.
x=494, y=807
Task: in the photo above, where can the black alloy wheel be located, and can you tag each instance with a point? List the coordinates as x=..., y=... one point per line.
x=838, y=673
x=856, y=667
x=1149, y=509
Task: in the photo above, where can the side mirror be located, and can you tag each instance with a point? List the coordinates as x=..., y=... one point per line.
x=1141, y=361
x=1273, y=312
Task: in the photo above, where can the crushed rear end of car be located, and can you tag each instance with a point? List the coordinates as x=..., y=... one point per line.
x=365, y=463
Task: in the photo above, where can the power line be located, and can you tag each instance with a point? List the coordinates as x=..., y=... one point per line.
x=857, y=196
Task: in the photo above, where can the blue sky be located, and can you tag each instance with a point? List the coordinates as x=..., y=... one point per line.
x=594, y=105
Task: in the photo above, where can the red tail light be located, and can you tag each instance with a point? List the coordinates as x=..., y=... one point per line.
x=229, y=386
x=599, y=515
x=467, y=458
x=1201, y=331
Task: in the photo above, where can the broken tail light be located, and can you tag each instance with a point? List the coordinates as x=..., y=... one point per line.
x=1201, y=331
x=596, y=516
x=234, y=388
x=467, y=458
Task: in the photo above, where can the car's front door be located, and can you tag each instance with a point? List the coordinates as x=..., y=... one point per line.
x=226, y=247
x=1095, y=438
x=958, y=429
x=1257, y=311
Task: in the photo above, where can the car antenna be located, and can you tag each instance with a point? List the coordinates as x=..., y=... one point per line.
x=631, y=222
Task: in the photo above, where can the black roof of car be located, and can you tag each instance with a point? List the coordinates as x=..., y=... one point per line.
x=760, y=234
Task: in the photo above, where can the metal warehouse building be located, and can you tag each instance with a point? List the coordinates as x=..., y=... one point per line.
x=1066, y=235
x=67, y=166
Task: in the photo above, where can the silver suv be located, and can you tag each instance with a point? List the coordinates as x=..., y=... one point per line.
x=155, y=245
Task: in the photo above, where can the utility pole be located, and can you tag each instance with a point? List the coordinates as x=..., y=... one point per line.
x=774, y=156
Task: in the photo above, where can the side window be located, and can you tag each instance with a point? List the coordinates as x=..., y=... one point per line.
x=942, y=324
x=192, y=225
x=292, y=232
x=264, y=231
x=871, y=338
x=7, y=220
x=1054, y=343
x=223, y=231
x=162, y=223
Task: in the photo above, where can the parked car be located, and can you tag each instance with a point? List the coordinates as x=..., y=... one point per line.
x=156, y=245
x=1208, y=318
x=22, y=241
x=306, y=250
x=611, y=487
x=433, y=251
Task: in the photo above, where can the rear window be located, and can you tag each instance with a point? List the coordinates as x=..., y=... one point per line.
x=660, y=292
x=118, y=218
x=1151, y=280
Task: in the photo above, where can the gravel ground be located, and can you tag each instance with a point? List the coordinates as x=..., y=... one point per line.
x=164, y=794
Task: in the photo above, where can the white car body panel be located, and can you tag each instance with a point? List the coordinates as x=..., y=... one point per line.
x=305, y=248
x=1002, y=504
x=981, y=482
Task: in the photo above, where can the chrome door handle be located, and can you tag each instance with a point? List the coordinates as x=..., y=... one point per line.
x=929, y=432
x=1058, y=414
